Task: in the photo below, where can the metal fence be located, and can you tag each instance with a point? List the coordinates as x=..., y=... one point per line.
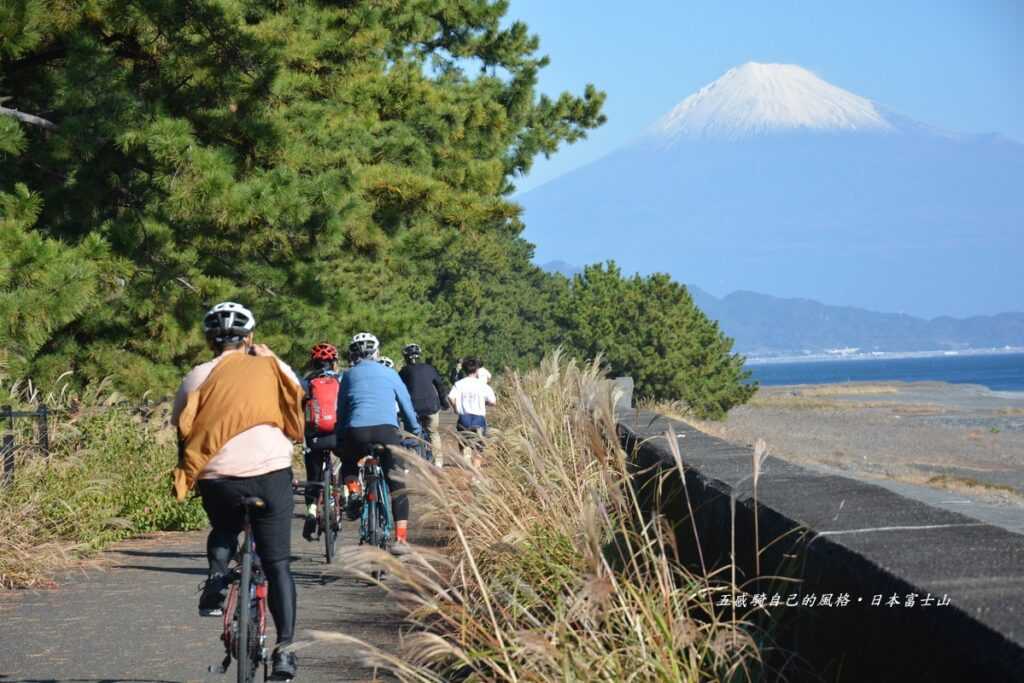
x=7, y=445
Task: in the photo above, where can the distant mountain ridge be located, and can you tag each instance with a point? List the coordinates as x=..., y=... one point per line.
x=768, y=325
x=771, y=179
x=764, y=325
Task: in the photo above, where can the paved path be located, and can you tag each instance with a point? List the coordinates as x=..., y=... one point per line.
x=136, y=620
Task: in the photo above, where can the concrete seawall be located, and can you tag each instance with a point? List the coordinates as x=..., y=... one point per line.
x=929, y=594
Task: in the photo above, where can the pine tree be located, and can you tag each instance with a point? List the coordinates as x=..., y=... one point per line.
x=336, y=167
x=649, y=328
x=44, y=285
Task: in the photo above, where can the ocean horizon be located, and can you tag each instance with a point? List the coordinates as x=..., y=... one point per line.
x=996, y=370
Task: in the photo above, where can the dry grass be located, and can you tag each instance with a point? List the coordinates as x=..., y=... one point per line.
x=843, y=389
x=106, y=478
x=971, y=485
x=1010, y=411
x=551, y=573
x=677, y=410
x=798, y=402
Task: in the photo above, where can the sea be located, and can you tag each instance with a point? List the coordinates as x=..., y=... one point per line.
x=998, y=372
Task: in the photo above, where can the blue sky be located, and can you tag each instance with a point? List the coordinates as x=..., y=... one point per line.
x=957, y=65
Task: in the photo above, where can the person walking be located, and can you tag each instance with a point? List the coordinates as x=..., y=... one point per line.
x=470, y=397
x=429, y=396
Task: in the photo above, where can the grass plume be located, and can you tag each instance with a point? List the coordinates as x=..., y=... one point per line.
x=553, y=571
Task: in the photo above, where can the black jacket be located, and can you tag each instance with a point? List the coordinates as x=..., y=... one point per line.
x=429, y=392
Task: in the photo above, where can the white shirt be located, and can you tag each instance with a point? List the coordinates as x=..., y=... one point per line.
x=484, y=374
x=470, y=396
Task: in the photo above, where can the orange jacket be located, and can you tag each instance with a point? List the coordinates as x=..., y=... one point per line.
x=242, y=392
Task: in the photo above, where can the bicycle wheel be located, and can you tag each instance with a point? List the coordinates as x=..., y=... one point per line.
x=330, y=511
x=370, y=516
x=246, y=666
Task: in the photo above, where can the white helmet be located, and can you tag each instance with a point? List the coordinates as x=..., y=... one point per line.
x=387, y=362
x=228, y=321
x=365, y=345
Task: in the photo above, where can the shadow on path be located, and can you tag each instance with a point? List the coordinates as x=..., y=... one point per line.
x=195, y=571
x=160, y=553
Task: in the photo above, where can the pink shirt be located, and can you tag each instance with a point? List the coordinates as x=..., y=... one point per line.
x=255, y=451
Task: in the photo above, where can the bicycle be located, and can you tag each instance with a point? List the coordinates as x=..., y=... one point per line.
x=376, y=521
x=245, y=610
x=328, y=506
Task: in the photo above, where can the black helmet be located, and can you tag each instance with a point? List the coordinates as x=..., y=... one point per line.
x=411, y=351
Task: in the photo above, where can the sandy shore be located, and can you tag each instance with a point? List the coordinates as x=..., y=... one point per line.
x=951, y=436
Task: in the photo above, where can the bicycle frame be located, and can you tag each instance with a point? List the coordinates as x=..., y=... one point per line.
x=376, y=505
x=328, y=507
x=246, y=578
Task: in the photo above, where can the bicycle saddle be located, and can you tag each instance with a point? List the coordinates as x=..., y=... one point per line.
x=252, y=501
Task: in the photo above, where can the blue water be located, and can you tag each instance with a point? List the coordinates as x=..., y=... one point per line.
x=1000, y=372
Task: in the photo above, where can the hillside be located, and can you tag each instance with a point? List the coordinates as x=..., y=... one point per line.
x=763, y=324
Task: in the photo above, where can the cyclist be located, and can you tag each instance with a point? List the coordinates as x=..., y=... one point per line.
x=429, y=395
x=322, y=384
x=238, y=415
x=470, y=397
x=368, y=395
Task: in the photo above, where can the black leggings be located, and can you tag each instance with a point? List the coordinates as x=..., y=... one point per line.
x=272, y=528
x=356, y=443
x=314, y=468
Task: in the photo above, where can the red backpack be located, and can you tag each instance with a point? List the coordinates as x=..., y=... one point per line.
x=322, y=404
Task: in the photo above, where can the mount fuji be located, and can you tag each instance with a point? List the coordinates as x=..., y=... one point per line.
x=772, y=180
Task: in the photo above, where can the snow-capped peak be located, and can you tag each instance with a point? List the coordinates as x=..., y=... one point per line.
x=760, y=98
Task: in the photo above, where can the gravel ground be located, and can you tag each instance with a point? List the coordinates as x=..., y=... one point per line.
x=961, y=437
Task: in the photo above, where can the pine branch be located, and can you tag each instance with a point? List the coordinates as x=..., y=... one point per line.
x=28, y=118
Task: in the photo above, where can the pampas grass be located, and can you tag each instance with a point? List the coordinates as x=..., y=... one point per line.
x=553, y=570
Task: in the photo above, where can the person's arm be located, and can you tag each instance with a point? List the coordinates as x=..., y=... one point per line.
x=441, y=387
x=290, y=374
x=180, y=399
x=340, y=420
x=405, y=407
x=192, y=381
x=489, y=396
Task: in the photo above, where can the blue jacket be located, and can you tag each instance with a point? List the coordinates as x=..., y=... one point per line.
x=368, y=395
